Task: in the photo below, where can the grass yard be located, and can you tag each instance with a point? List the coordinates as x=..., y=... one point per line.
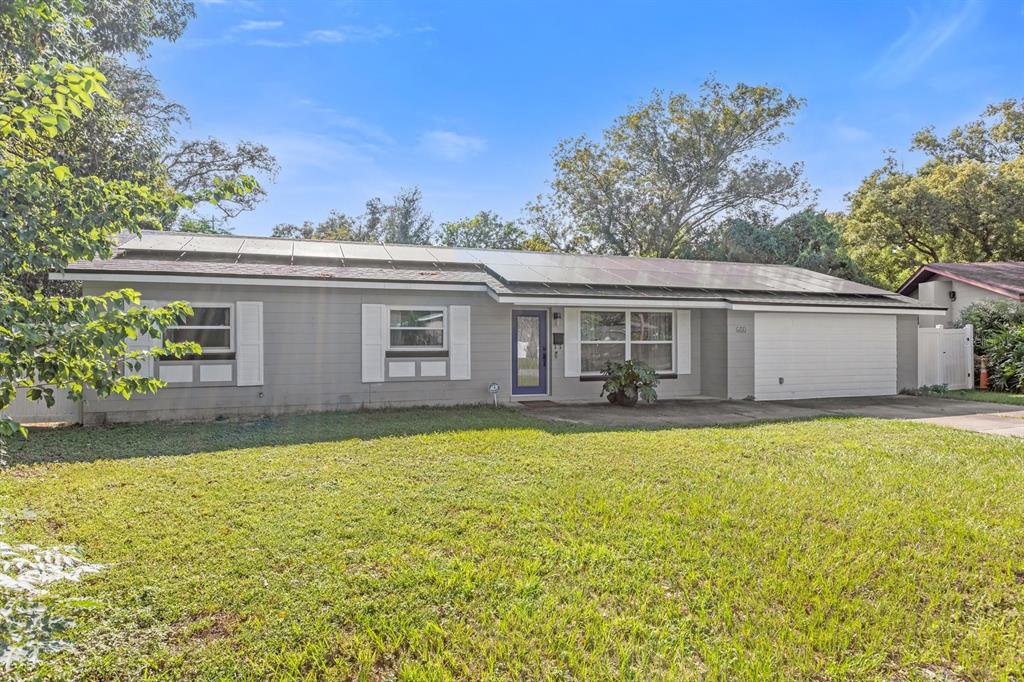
x=479, y=543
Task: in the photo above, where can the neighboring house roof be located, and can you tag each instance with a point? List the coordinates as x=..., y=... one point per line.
x=505, y=274
x=1005, y=278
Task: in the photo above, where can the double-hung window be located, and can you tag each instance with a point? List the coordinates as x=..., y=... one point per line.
x=650, y=339
x=209, y=325
x=416, y=329
x=617, y=335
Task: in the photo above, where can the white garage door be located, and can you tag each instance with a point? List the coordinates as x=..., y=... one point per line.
x=823, y=355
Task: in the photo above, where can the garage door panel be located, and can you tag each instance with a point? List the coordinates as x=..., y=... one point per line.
x=824, y=355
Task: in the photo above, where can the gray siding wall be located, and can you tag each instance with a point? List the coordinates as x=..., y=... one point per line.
x=906, y=352
x=740, y=354
x=714, y=349
x=312, y=348
x=936, y=292
x=312, y=356
x=572, y=388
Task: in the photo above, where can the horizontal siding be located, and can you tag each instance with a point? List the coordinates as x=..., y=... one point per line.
x=312, y=356
x=824, y=355
x=571, y=388
x=740, y=333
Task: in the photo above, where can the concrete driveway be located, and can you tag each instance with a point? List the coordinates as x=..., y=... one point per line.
x=1006, y=420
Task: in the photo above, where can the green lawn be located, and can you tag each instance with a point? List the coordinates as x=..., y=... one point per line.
x=481, y=544
x=981, y=396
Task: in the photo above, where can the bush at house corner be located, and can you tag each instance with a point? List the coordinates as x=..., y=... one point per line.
x=999, y=337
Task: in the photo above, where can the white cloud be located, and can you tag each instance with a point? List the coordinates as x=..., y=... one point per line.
x=266, y=42
x=330, y=36
x=450, y=146
x=334, y=118
x=922, y=39
x=254, y=25
x=848, y=133
x=349, y=34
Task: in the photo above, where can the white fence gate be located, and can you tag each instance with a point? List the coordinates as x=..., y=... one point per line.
x=945, y=357
x=28, y=411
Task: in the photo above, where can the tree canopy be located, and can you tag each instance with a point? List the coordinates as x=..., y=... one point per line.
x=671, y=168
x=484, y=230
x=964, y=203
x=402, y=221
x=809, y=239
x=133, y=134
x=51, y=213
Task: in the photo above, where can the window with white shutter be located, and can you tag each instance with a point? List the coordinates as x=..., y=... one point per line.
x=375, y=341
x=249, y=342
x=459, y=334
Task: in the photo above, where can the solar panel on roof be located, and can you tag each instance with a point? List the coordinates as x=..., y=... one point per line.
x=364, y=252
x=644, y=278
x=266, y=247
x=400, y=253
x=210, y=244
x=525, y=267
x=160, y=241
x=518, y=273
x=490, y=258
x=579, y=275
x=457, y=256
x=311, y=249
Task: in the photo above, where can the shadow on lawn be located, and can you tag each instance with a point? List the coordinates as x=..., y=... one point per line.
x=162, y=439
x=126, y=441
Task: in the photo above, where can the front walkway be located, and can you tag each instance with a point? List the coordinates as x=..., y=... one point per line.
x=993, y=418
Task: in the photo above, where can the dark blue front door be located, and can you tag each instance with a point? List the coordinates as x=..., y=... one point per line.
x=529, y=352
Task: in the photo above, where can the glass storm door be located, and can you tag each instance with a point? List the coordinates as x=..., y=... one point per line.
x=529, y=352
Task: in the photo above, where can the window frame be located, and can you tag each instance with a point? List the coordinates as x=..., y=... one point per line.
x=629, y=337
x=206, y=350
x=429, y=308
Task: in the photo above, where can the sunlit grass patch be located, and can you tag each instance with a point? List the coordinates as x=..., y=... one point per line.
x=479, y=543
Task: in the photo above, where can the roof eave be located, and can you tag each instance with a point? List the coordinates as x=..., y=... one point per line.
x=916, y=279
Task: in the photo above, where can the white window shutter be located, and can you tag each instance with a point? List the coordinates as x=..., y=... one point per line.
x=145, y=342
x=572, y=342
x=684, y=352
x=249, y=342
x=375, y=330
x=458, y=342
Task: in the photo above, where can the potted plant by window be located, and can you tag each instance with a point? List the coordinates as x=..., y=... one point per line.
x=625, y=382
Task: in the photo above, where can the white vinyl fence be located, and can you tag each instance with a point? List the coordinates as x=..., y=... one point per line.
x=35, y=411
x=945, y=357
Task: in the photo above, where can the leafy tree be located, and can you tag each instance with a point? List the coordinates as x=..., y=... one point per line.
x=965, y=202
x=337, y=226
x=552, y=228
x=808, y=239
x=131, y=136
x=51, y=215
x=403, y=221
x=485, y=230
x=674, y=166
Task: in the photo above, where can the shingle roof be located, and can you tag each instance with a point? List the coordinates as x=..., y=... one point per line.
x=517, y=273
x=1006, y=278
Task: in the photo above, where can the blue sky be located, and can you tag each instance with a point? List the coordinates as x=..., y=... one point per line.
x=468, y=99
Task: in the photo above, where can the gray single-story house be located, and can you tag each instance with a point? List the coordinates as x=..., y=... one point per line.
x=297, y=325
x=954, y=286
